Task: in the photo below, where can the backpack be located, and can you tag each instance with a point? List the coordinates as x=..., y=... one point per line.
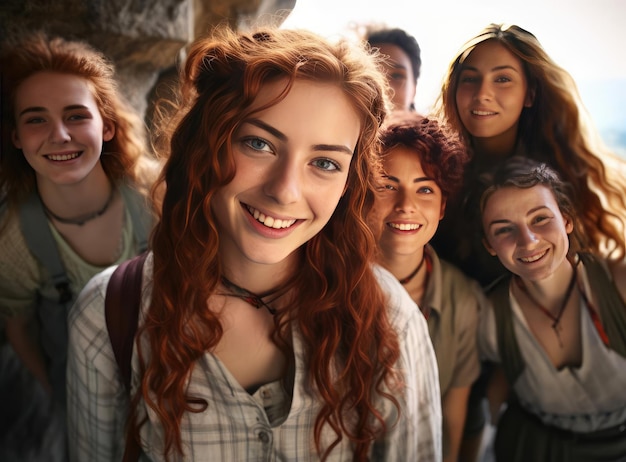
x=52, y=313
x=121, y=311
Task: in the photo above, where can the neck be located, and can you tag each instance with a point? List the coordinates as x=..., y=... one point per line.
x=551, y=290
x=402, y=266
x=82, y=197
x=260, y=278
x=496, y=147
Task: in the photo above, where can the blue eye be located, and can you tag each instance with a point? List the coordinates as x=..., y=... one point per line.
x=258, y=144
x=326, y=164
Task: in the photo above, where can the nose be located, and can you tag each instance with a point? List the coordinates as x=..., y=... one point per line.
x=527, y=237
x=285, y=182
x=59, y=133
x=405, y=202
x=484, y=92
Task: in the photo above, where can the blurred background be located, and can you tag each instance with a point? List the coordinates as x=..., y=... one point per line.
x=586, y=38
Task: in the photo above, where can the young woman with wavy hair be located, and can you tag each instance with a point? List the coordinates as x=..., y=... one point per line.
x=270, y=172
x=74, y=179
x=504, y=95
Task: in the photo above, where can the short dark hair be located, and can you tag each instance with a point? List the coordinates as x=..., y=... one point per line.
x=402, y=39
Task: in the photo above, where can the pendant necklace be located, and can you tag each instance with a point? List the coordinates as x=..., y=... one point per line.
x=256, y=300
x=81, y=220
x=555, y=319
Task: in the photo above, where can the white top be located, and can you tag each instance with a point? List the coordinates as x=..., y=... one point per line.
x=584, y=399
x=267, y=426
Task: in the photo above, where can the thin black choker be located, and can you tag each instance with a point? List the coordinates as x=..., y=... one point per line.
x=81, y=220
x=415, y=271
x=256, y=300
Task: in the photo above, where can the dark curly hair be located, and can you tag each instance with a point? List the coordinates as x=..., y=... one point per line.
x=440, y=152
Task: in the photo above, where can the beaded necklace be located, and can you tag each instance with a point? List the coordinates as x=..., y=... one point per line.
x=82, y=219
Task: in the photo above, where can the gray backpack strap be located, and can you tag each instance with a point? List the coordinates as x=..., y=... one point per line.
x=510, y=355
x=41, y=243
x=140, y=214
x=51, y=314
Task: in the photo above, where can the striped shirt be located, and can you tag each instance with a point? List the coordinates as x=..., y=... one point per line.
x=270, y=425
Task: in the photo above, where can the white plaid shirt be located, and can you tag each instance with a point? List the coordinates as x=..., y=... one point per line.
x=267, y=426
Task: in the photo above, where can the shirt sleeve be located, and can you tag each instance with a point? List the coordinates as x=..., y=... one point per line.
x=96, y=398
x=467, y=366
x=487, y=342
x=417, y=435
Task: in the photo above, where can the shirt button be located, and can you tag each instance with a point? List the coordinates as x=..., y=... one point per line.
x=264, y=437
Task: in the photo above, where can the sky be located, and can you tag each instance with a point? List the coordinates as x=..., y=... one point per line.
x=586, y=37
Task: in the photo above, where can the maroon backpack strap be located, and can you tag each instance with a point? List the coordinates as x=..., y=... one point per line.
x=121, y=310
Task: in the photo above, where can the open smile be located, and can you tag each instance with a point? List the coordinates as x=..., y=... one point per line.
x=483, y=113
x=268, y=221
x=404, y=226
x=533, y=258
x=63, y=157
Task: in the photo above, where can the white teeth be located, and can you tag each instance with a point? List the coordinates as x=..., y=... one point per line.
x=533, y=258
x=270, y=222
x=59, y=157
x=405, y=226
x=482, y=113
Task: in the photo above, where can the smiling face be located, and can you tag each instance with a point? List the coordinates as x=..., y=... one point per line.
x=526, y=230
x=491, y=92
x=399, y=74
x=409, y=206
x=59, y=127
x=292, y=162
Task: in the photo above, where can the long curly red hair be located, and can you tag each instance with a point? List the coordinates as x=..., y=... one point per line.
x=340, y=312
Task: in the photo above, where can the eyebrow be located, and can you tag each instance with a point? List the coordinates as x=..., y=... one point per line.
x=282, y=137
x=494, y=69
x=71, y=107
x=415, y=180
x=396, y=64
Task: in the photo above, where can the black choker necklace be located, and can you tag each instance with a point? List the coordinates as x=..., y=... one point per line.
x=412, y=275
x=256, y=300
x=81, y=220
